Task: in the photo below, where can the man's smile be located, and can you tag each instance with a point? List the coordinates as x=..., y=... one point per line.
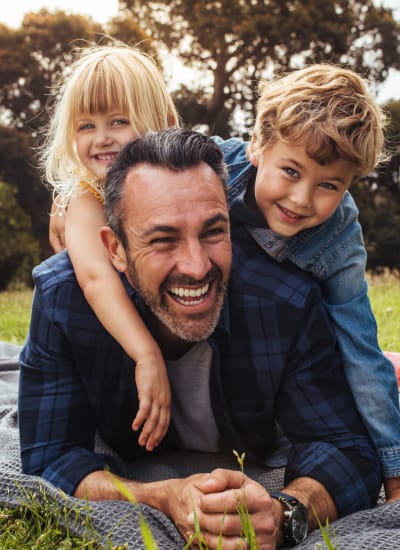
x=189, y=296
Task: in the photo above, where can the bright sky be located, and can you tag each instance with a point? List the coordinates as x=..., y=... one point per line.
x=12, y=12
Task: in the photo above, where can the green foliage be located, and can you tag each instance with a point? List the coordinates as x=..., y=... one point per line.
x=19, y=252
x=250, y=39
x=41, y=523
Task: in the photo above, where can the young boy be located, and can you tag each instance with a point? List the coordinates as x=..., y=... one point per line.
x=317, y=131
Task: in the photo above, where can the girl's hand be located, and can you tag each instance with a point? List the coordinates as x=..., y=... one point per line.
x=154, y=401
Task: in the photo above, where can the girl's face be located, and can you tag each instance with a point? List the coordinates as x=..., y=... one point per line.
x=293, y=191
x=99, y=139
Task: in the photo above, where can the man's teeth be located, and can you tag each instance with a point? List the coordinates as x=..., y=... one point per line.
x=190, y=292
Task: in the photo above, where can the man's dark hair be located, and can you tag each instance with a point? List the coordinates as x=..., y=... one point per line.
x=175, y=149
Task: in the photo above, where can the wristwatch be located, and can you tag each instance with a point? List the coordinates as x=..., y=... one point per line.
x=295, y=519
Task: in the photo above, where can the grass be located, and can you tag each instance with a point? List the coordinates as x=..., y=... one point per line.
x=15, y=309
x=384, y=292
x=41, y=523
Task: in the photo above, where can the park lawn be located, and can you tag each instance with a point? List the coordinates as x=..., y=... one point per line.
x=15, y=312
x=384, y=292
x=34, y=526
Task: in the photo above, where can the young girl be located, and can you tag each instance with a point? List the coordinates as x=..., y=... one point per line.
x=107, y=97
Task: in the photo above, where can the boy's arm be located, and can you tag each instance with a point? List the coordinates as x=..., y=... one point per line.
x=104, y=291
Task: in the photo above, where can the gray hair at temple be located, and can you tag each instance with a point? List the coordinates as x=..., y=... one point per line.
x=175, y=149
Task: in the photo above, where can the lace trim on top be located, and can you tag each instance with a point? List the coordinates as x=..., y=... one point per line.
x=94, y=187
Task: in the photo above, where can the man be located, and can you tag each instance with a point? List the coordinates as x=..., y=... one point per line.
x=264, y=355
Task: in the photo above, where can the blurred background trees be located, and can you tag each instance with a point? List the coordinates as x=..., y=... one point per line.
x=228, y=45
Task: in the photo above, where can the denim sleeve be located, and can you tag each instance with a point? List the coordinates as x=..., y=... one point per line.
x=370, y=375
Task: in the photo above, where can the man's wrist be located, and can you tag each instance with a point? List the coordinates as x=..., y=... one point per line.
x=292, y=519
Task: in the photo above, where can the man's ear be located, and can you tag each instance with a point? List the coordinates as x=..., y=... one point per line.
x=253, y=152
x=114, y=248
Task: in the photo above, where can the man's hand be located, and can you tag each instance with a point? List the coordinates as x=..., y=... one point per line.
x=221, y=492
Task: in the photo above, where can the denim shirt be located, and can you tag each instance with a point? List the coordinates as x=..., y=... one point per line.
x=334, y=253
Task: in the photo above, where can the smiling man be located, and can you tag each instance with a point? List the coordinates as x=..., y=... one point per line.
x=241, y=361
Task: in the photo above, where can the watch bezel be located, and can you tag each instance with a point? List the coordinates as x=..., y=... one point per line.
x=294, y=514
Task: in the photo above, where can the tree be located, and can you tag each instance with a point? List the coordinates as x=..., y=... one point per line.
x=31, y=59
x=237, y=42
x=19, y=251
x=33, y=56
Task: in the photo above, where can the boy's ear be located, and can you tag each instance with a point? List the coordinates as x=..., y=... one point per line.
x=253, y=152
x=114, y=248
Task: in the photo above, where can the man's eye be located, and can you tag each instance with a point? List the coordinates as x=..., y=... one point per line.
x=215, y=232
x=162, y=240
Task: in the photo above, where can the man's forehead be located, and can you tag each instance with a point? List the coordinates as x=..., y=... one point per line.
x=158, y=196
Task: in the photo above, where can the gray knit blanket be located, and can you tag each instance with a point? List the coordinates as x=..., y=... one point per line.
x=118, y=521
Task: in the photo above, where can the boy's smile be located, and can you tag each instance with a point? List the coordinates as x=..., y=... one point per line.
x=293, y=191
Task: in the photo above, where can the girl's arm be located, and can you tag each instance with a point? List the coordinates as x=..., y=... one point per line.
x=57, y=227
x=107, y=296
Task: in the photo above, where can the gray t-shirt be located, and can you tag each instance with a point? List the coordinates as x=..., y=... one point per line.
x=191, y=410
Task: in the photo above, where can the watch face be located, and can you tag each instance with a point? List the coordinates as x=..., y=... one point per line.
x=299, y=523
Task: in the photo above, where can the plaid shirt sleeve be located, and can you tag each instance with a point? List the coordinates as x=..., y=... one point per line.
x=56, y=419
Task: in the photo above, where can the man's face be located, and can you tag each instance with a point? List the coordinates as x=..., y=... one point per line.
x=179, y=248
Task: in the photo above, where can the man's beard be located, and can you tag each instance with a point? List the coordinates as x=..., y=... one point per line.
x=190, y=328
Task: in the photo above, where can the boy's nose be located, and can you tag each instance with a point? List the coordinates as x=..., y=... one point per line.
x=302, y=196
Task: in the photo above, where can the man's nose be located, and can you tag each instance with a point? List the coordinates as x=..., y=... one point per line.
x=193, y=260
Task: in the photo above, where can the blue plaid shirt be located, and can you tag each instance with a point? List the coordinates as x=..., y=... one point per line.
x=274, y=363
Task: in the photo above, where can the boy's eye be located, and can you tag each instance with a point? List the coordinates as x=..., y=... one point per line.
x=329, y=186
x=292, y=172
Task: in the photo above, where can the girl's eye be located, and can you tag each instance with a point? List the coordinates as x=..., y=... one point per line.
x=85, y=126
x=120, y=121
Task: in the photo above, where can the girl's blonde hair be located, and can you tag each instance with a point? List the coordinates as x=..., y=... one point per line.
x=102, y=79
x=327, y=109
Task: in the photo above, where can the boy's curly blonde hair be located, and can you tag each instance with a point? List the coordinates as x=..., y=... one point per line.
x=326, y=108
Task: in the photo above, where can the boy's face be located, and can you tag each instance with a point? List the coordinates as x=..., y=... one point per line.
x=293, y=191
